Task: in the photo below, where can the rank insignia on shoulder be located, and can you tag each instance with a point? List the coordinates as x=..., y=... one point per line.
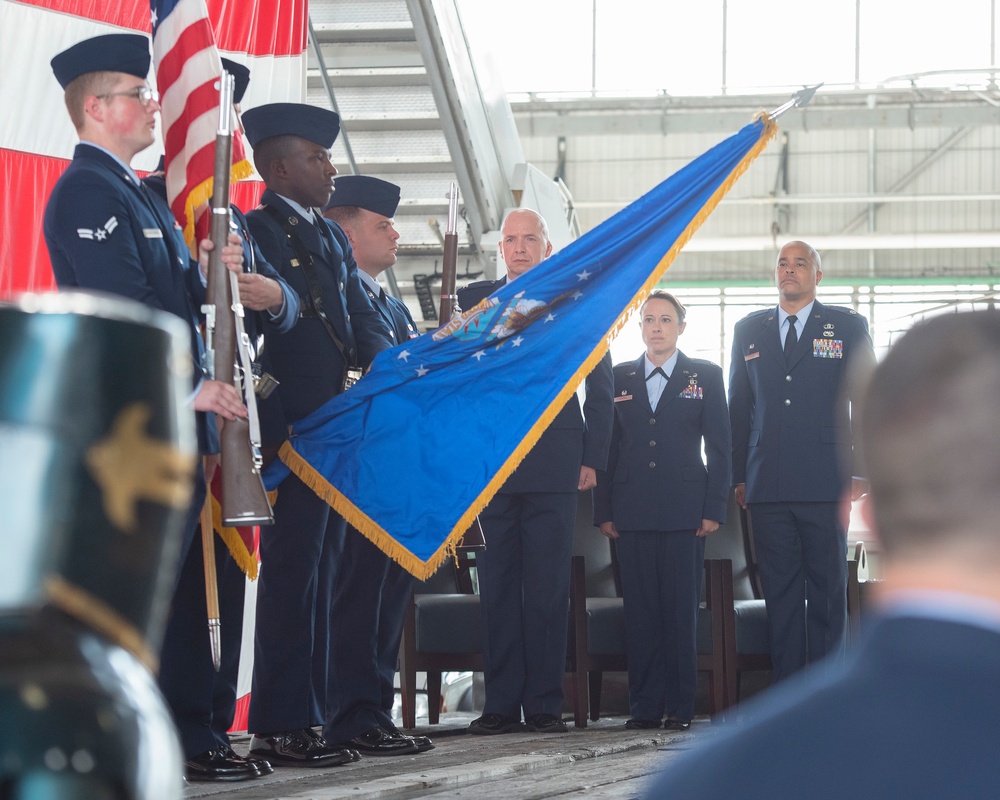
x=101, y=233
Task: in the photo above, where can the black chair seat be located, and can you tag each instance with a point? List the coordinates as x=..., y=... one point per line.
x=752, y=632
x=605, y=626
x=447, y=623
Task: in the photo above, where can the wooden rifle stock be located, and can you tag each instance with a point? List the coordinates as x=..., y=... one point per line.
x=473, y=538
x=244, y=501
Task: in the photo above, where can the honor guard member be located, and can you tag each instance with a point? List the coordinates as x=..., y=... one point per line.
x=203, y=701
x=930, y=426
x=372, y=592
x=789, y=402
x=658, y=500
x=337, y=335
x=524, y=572
x=106, y=232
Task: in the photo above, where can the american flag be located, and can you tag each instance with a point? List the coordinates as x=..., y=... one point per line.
x=188, y=69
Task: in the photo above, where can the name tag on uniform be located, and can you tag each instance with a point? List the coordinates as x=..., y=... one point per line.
x=622, y=397
x=152, y=233
x=751, y=356
x=828, y=348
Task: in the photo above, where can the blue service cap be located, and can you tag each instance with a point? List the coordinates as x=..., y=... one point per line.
x=241, y=78
x=112, y=52
x=367, y=192
x=312, y=123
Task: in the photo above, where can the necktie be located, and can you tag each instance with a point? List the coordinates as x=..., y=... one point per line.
x=655, y=389
x=791, y=337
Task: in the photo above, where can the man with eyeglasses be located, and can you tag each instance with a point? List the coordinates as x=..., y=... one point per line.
x=106, y=232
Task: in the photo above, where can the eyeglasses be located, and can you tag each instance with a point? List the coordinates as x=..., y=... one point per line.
x=143, y=94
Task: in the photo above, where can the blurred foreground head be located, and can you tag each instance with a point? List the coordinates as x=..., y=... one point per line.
x=931, y=439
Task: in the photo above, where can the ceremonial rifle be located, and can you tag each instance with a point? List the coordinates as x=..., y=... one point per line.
x=473, y=538
x=244, y=501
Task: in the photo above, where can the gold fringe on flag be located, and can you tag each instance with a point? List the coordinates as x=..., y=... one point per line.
x=396, y=551
x=244, y=559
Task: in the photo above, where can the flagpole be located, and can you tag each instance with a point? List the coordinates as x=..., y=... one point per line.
x=798, y=100
x=211, y=581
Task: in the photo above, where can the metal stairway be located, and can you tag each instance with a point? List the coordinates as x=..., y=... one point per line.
x=400, y=74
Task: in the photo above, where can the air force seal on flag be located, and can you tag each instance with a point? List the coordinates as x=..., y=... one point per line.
x=99, y=234
x=487, y=319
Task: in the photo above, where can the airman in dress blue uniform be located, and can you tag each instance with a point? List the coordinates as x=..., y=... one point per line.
x=338, y=330
x=105, y=231
x=524, y=571
x=789, y=396
x=658, y=500
x=369, y=604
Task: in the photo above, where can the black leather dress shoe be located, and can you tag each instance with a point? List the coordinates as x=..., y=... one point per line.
x=313, y=733
x=676, y=724
x=303, y=748
x=219, y=765
x=423, y=743
x=379, y=742
x=642, y=724
x=545, y=723
x=262, y=765
x=491, y=724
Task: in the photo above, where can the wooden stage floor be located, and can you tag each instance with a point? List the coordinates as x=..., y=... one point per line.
x=603, y=761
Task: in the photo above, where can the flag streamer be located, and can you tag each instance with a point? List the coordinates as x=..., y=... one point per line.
x=496, y=376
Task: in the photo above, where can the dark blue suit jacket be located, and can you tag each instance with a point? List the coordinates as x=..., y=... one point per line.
x=862, y=731
x=573, y=439
x=105, y=233
x=792, y=433
x=396, y=315
x=305, y=360
x=656, y=479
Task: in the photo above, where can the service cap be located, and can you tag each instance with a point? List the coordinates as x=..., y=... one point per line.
x=312, y=123
x=241, y=78
x=365, y=191
x=112, y=52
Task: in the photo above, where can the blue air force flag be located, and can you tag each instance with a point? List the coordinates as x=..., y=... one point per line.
x=422, y=443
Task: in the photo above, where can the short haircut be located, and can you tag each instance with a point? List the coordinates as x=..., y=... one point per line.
x=931, y=437
x=79, y=89
x=813, y=252
x=272, y=149
x=345, y=216
x=541, y=221
x=661, y=295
